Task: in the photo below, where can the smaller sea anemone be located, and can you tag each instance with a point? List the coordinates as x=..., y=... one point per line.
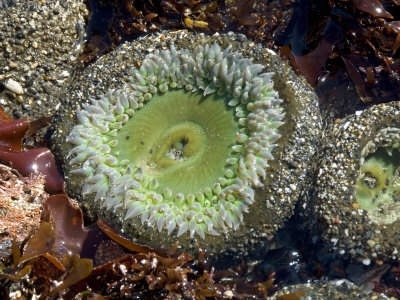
x=378, y=187
x=357, y=189
x=184, y=143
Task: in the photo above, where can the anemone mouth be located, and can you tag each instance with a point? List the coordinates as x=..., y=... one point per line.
x=184, y=143
x=378, y=186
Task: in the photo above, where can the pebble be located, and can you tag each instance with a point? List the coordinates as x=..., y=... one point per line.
x=366, y=261
x=14, y=87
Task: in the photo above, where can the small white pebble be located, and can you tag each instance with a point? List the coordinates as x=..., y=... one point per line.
x=65, y=74
x=366, y=261
x=14, y=87
x=228, y=294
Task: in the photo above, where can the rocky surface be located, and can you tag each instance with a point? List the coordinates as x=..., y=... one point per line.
x=39, y=42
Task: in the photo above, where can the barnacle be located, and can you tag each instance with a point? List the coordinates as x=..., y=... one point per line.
x=184, y=143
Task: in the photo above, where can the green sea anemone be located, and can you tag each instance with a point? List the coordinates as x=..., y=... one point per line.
x=184, y=143
x=180, y=136
x=378, y=187
x=356, y=207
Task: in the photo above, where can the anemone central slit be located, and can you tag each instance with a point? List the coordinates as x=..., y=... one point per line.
x=182, y=142
x=181, y=139
x=378, y=187
x=176, y=150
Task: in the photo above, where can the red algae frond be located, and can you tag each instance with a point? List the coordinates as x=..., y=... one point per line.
x=39, y=161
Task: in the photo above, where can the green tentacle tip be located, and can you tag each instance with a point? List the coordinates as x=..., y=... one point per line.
x=184, y=144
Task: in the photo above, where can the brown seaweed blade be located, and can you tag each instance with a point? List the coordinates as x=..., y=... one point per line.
x=12, y=134
x=80, y=269
x=39, y=243
x=372, y=7
x=68, y=225
x=116, y=236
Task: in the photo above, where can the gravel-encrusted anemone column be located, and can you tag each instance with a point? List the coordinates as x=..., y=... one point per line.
x=195, y=141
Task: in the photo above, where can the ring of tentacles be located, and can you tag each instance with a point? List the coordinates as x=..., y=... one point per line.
x=184, y=144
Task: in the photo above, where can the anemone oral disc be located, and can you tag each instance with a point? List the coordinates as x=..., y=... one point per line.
x=177, y=134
